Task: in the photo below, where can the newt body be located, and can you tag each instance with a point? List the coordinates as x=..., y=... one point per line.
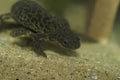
x=42, y=26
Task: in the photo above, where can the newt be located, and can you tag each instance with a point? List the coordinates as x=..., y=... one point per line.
x=41, y=26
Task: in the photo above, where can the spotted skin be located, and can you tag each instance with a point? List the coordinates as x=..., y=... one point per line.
x=42, y=26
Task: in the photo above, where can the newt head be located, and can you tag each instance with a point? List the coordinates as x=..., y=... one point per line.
x=69, y=40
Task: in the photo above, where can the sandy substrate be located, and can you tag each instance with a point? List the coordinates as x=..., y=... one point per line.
x=93, y=61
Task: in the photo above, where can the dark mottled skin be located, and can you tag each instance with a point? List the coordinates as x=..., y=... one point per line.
x=42, y=26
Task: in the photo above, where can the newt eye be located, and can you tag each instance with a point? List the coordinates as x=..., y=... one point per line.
x=65, y=42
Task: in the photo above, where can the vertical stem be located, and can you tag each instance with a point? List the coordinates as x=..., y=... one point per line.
x=102, y=19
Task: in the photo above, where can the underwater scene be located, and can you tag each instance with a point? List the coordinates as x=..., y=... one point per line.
x=59, y=40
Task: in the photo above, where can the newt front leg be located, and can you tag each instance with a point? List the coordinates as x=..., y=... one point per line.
x=38, y=39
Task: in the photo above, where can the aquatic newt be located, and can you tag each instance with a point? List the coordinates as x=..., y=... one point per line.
x=41, y=26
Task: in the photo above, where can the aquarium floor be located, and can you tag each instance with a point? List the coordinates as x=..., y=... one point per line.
x=93, y=61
